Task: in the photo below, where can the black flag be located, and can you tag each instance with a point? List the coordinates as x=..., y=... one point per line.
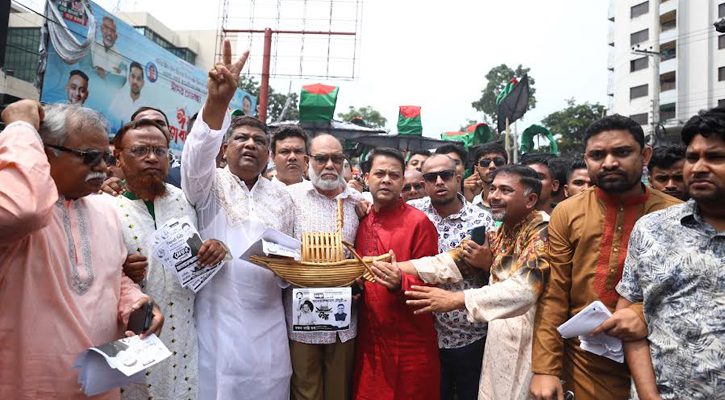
x=514, y=105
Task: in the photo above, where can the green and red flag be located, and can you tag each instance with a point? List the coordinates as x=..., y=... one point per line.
x=527, y=139
x=409, y=122
x=317, y=103
x=474, y=135
x=513, y=102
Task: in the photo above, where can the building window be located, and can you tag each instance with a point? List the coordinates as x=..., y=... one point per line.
x=639, y=9
x=183, y=53
x=721, y=42
x=21, y=53
x=721, y=11
x=721, y=74
x=639, y=118
x=639, y=37
x=721, y=103
x=668, y=21
x=638, y=64
x=639, y=91
x=667, y=111
x=668, y=50
x=668, y=81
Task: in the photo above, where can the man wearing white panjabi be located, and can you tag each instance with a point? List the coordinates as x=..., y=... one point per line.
x=243, y=346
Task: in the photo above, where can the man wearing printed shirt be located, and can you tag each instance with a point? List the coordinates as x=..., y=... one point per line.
x=681, y=285
x=588, y=236
x=461, y=342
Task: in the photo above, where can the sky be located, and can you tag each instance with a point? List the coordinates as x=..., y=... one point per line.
x=431, y=54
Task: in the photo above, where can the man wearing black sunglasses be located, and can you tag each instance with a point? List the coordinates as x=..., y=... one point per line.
x=413, y=187
x=489, y=157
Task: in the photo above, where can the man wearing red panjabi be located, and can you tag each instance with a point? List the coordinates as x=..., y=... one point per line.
x=397, y=351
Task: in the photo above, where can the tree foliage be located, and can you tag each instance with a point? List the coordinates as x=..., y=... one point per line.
x=571, y=123
x=369, y=115
x=276, y=102
x=498, y=77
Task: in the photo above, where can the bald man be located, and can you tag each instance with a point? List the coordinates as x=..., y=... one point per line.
x=413, y=187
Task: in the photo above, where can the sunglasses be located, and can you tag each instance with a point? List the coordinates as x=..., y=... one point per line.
x=446, y=175
x=90, y=157
x=408, y=188
x=485, y=162
x=322, y=159
x=143, y=151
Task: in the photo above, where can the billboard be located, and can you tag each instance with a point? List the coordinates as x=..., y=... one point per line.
x=121, y=70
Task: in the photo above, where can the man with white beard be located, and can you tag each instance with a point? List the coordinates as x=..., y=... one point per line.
x=322, y=362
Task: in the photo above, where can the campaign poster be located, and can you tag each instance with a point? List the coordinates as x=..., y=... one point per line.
x=321, y=309
x=123, y=70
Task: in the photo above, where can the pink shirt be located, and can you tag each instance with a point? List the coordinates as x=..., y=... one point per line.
x=62, y=288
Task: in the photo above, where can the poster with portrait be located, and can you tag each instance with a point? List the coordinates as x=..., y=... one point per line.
x=321, y=309
x=123, y=70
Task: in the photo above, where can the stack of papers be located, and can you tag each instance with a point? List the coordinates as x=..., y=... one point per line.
x=118, y=363
x=276, y=243
x=584, y=323
x=176, y=245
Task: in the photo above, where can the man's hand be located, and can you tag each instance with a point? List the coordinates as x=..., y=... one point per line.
x=388, y=274
x=472, y=186
x=624, y=324
x=222, y=83
x=431, y=299
x=477, y=256
x=546, y=387
x=135, y=267
x=211, y=252
x=157, y=321
x=113, y=186
x=362, y=209
x=29, y=111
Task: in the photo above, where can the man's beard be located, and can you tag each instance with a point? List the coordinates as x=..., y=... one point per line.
x=325, y=184
x=499, y=216
x=620, y=186
x=146, y=186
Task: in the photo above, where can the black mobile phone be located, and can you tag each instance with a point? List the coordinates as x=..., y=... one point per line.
x=478, y=234
x=140, y=320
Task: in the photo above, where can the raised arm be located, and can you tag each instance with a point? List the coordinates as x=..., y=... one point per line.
x=28, y=191
x=202, y=145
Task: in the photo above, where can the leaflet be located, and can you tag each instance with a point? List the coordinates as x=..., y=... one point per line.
x=321, y=309
x=584, y=323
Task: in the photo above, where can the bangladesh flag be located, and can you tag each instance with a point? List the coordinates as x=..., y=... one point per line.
x=409, y=122
x=527, y=139
x=513, y=104
x=317, y=103
x=505, y=92
x=474, y=135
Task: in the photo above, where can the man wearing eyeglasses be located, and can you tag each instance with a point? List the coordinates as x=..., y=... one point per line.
x=489, y=157
x=460, y=341
x=61, y=251
x=413, y=186
x=142, y=150
x=322, y=362
x=243, y=345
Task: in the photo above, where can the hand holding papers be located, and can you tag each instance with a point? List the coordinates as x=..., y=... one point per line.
x=118, y=363
x=584, y=323
x=176, y=246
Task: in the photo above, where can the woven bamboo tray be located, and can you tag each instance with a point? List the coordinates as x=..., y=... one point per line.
x=323, y=262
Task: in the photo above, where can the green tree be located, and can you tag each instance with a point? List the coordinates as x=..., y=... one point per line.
x=571, y=123
x=276, y=102
x=498, y=77
x=369, y=115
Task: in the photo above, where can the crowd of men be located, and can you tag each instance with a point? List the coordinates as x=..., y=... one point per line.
x=447, y=317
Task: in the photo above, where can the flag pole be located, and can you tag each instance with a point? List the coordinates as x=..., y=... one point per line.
x=507, y=141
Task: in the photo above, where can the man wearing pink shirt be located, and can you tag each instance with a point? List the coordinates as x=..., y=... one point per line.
x=62, y=288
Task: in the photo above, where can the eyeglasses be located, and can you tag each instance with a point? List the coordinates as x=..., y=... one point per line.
x=143, y=151
x=90, y=157
x=408, y=188
x=322, y=159
x=446, y=175
x=497, y=161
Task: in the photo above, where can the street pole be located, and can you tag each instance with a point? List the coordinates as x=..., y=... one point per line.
x=655, y=11
x=264, y=89
x=507, y=141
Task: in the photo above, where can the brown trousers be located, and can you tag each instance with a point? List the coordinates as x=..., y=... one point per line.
x=592, y=377
x=322, y=371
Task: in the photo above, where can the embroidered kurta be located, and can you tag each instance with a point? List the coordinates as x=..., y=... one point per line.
x=454, y=328
x=682, y=287
x=315, y=212
x=518, y=273
x=62, y=288
x=243, y=345
x=397, y=351
x=588, y=236
x=176, y=378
